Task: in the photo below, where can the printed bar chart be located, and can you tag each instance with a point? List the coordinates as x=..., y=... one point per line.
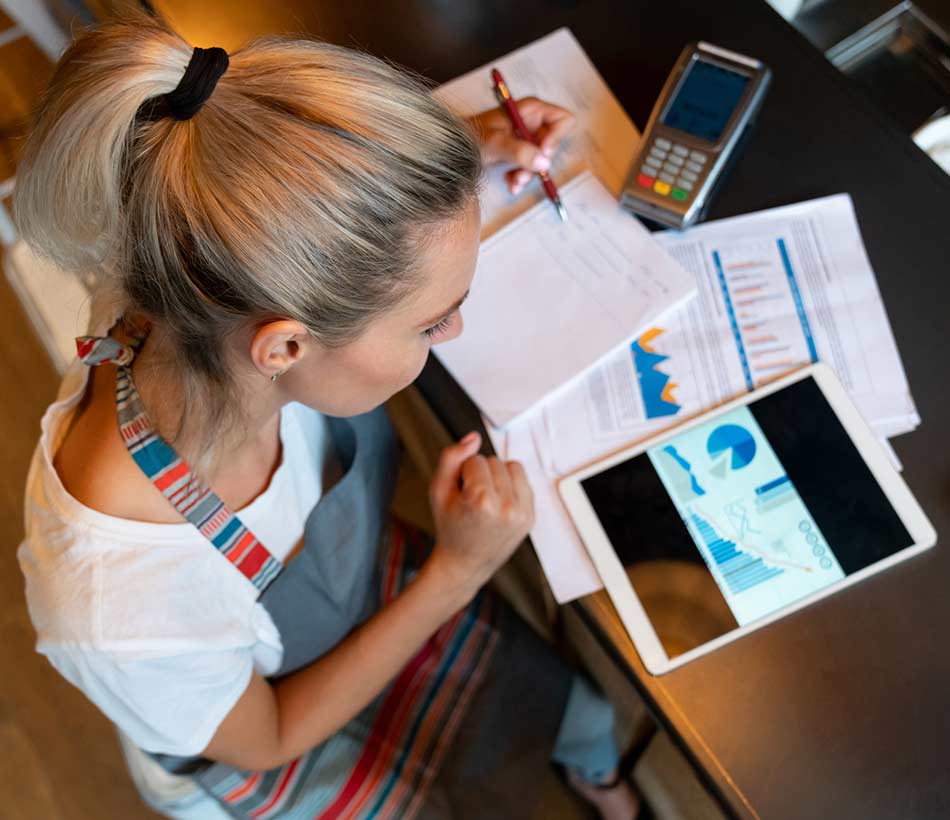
x=761, y=293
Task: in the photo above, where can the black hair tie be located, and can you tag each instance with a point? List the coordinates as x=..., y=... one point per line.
x=197, y=83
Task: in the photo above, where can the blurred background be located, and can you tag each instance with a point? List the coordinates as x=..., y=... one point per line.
x=59, y=759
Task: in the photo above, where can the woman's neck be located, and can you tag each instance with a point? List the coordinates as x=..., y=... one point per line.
x=250, y=440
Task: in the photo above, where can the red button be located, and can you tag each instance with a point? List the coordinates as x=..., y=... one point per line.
x=644, y=181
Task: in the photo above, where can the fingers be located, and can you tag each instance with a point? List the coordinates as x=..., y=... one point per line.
x=519, y=481
x=506, y=147
x=500, y=478
x=548, y=122
x=536, y=112
x=490, y=476
x=549, y=136
x=477, y=478
x=521, y=489
x=445, y=482
x=516, y=179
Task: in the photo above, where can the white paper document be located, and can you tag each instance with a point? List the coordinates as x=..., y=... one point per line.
x=562, y=556
x=776, y=290
x=550, y=299
x=555, y=69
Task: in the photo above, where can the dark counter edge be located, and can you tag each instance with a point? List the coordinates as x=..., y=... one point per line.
x=460, y=416
x=456, y=411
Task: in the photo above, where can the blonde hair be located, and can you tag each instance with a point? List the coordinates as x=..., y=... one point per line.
x=301, y=189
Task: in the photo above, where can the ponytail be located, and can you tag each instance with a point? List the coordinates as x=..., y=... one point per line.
x=301, y=189
x=69, y=186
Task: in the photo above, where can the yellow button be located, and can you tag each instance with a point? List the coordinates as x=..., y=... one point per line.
x=661, y=188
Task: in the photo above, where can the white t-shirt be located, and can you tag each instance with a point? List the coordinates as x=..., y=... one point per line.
x=150, y=621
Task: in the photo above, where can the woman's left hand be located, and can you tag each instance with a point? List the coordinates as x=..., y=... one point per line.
x=549, y=123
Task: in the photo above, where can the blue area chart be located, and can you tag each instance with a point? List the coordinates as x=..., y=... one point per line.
x=740, y=570
x=655, y=385
x=735, y=438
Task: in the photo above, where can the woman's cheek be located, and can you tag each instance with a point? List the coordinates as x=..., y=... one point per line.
x=412, y=367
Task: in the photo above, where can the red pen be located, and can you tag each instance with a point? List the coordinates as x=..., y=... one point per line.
x=506, y=102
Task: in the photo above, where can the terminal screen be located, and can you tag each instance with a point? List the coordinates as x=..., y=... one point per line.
x=736, y=518
x=705, y=100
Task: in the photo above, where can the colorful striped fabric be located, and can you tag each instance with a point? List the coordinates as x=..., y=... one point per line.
x=191, y=497
x=94, y=350
x=380, y=766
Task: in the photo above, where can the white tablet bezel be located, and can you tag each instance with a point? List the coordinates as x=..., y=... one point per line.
x=614, y=575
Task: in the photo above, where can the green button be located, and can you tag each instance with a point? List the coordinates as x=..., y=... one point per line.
x=678, y=193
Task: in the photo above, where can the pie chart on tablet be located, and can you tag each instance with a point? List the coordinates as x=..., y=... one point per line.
x=734, y=440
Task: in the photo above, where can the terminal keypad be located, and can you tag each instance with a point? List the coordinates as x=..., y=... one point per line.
x=670, y=169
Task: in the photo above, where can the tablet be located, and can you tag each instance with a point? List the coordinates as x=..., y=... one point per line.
x=743, y=515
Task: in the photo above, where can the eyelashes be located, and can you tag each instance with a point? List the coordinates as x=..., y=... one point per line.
x=440, y=327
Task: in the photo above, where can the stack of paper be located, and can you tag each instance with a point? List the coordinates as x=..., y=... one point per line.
x=550, y=299
x=776, y=290
x=556, y=70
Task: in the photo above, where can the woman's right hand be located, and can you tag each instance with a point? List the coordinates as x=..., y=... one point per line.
x=483, y=508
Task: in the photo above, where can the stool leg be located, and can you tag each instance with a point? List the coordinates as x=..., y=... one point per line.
x=36, y=21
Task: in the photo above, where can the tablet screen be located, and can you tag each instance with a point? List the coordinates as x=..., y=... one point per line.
x=733, y=519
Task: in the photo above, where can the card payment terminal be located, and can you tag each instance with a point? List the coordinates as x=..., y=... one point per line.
x=707, y=103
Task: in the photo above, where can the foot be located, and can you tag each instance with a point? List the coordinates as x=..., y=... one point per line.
x=617, y=802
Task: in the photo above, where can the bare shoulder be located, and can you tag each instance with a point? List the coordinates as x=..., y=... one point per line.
x=95, y=467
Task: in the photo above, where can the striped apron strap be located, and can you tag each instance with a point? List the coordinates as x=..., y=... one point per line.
x=197, y=502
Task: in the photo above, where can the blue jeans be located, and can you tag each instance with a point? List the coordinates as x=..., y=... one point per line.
x=585, y=740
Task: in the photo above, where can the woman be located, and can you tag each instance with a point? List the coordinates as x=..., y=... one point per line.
x=283, y=236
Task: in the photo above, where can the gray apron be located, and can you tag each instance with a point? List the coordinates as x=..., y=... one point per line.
x=496, y=761
x=463, y=731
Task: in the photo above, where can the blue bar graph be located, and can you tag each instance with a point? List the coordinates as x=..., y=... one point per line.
x=774, y=494
x=740, y=570
x=771, y=486
x=797, y=296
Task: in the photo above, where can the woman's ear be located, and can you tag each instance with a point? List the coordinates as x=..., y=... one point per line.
x=277, y=346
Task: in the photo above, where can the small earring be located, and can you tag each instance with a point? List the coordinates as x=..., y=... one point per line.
x=278, y=374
